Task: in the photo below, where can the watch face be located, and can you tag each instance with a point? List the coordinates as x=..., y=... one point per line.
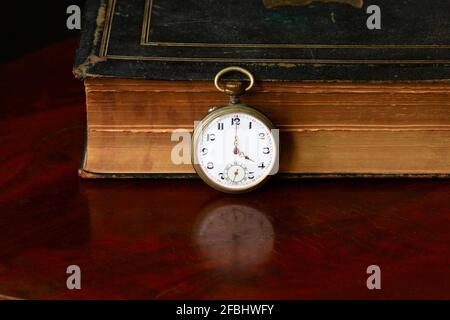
x=235, y=149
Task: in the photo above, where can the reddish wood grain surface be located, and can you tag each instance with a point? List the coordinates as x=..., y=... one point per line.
x=180, y=239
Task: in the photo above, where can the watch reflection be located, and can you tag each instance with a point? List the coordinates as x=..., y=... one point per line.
x=236, y=236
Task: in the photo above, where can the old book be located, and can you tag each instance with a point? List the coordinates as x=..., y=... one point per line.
x=349, y=101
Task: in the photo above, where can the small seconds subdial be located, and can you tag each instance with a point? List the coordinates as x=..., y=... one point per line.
x=236, y=173
x=235, y=149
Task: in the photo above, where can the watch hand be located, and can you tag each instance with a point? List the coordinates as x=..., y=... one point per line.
x=246, y=157
x=236, y=142
x=235, y=175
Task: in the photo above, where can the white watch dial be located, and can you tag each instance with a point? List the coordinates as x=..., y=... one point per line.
x=236, y=151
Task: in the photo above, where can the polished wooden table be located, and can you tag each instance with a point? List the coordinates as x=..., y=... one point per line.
x=165, y=239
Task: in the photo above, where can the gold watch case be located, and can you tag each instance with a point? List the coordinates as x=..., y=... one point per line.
x=215, y=113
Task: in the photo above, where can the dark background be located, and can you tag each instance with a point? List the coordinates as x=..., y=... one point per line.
x=29, y=25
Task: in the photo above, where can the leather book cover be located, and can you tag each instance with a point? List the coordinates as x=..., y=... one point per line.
x=277, y=40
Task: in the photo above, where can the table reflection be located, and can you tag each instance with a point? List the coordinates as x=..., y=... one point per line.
x=236, y=235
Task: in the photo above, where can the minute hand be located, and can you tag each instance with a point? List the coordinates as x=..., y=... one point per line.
x=236, y=141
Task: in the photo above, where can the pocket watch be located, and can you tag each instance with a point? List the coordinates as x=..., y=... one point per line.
x=235, y=147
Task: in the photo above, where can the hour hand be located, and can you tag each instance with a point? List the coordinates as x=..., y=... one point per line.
x=246, y=157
